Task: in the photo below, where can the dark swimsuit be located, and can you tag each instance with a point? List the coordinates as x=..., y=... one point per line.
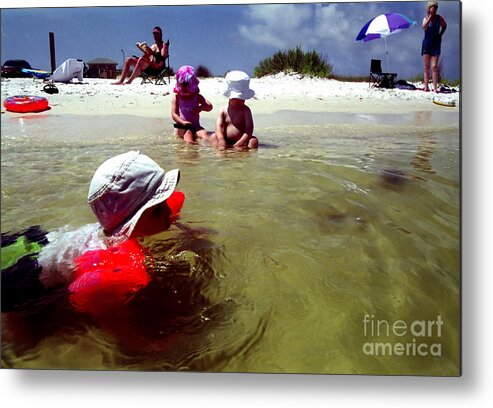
x=432, y=41
x=154, y=71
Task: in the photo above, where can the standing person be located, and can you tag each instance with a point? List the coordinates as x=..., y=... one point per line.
x=186, y=105
x=151, y=62
x=434, y=26
x=234, y=125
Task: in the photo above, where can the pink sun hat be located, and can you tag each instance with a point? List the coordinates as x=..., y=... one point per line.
x=186, y=81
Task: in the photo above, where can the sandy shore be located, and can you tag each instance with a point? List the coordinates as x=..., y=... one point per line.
x=273, y=93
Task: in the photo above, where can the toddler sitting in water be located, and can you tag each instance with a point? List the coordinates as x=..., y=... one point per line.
x=187, y=104
x=131, y=196
x=234, y=125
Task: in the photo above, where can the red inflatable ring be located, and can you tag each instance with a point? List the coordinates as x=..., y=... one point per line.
x=25, y=103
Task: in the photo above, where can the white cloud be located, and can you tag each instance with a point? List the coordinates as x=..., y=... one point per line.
x=260, y=35
x=331, y=23
x=310, y=25
x=276, y=25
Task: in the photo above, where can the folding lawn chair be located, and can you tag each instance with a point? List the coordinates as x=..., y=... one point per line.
x=378, y=78
x=158, y=78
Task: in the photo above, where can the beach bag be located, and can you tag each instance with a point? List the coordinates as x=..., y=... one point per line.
x=70, y=69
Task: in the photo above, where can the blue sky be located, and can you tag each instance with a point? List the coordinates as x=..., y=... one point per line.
x=224, y=37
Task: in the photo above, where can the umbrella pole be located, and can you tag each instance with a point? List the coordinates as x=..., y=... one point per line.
x=387, y=52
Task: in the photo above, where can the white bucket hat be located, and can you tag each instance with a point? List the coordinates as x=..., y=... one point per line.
x=126, y=185
x=238, y=85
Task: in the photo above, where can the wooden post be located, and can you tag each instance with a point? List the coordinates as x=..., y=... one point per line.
x=52, y=52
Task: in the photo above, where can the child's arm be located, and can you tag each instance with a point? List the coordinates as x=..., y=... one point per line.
x=204, y=104
x=248, y=133
x=175, y=112
x=220, y=125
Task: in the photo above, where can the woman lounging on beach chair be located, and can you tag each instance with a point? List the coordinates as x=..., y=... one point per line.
x=153, y=57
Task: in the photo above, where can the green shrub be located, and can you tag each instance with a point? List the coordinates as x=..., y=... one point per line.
x=294, y=60
x=203, y=72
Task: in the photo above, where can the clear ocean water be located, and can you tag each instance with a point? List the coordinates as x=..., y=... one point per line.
x=278, y=255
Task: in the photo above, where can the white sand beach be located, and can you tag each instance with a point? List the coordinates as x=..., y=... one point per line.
x=273, y=93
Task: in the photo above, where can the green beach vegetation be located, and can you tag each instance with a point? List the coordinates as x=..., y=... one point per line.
x=311, y=63
x=294, y=60
x=203, y=72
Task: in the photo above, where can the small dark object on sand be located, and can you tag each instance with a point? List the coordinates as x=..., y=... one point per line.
x=336, y=216
x=50, y=88
x=394, y=177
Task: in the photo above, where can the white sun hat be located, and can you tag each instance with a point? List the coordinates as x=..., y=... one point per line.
x=126, y=185
x=238, y=85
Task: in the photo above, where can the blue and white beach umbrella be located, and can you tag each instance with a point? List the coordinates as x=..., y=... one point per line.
x=382, y=26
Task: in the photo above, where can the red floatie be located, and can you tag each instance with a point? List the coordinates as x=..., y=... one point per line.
x=25, y=103
x=175, y=202
x=108, y=277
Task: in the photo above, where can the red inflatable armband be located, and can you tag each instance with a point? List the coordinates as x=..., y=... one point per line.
x=175, y=202
x=107, y=277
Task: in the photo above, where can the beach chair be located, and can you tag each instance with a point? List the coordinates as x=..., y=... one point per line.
x=378, y=78
x=158, y=78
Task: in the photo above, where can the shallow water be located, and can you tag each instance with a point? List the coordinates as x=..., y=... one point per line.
x=278, y=254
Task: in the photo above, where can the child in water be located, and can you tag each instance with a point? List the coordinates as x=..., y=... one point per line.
x=187, y=104
x=131, y=196
x=234, y=125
